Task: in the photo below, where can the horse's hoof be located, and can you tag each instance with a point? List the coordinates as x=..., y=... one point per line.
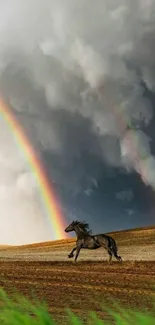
x=70, y=256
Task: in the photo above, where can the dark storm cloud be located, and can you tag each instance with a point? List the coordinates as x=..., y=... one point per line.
x=80, y=78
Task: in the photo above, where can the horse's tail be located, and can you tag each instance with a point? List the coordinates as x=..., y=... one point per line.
x=113, y=248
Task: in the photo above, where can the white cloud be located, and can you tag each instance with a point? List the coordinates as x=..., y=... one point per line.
x=127, y=195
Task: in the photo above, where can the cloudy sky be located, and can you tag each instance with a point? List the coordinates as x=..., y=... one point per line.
x=80, y=78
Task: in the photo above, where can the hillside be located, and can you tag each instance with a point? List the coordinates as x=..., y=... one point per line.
x=136, y=243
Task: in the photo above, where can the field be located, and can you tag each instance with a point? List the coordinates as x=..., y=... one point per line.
x=45, y=270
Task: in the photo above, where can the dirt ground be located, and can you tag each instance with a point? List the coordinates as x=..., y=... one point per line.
x=45, y=270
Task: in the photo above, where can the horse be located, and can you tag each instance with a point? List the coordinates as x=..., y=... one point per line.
x=85, y=240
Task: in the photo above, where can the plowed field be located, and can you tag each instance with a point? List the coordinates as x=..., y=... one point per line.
x=45, y=270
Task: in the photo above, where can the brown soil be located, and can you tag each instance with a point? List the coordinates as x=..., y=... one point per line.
x=45, y=270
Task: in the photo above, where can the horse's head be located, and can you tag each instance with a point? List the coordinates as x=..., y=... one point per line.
x=71, y=227
x=78, y=226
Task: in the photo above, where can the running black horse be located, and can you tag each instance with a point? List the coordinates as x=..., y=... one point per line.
x=85, y=240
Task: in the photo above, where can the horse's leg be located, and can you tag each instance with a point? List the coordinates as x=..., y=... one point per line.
x=119, y=258
x=77, y=252
x=104, y=244
x=72, y=253
x=110, y=254
x=114, y=250
x=108, y=251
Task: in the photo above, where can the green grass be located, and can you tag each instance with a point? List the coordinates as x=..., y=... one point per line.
x=18, y=310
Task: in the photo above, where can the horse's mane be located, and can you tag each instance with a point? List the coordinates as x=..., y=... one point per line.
x=84, y=226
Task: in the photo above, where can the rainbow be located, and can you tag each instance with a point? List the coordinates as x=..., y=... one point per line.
x=47, y=193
